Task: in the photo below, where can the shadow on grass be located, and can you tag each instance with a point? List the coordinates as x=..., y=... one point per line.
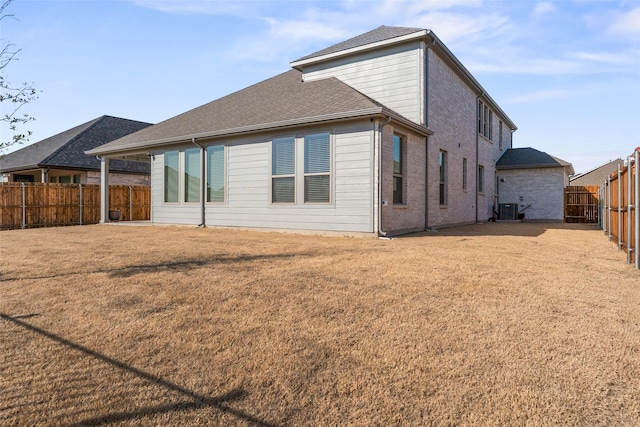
x=192, y=401
x=521, y=229
x=173, y=266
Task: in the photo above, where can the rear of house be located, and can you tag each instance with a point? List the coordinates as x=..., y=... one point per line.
x=384, y=133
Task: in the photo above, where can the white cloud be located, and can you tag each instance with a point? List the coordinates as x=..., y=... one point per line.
x=620, y=58
x=199, y=7
x=540, y=96
x=626, y=24
x=543, y=9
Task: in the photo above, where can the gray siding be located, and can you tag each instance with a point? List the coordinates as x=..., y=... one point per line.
x=391, y=76
x=248, y=181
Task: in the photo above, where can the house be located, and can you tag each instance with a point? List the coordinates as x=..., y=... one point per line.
x=534, y=182
x=62, y=159
x=596, y=176
x=384, y=133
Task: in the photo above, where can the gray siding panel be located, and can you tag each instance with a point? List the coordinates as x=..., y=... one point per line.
x=390, y=76
x=249, y=179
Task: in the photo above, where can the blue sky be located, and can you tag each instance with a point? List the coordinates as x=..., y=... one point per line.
x=566, y=72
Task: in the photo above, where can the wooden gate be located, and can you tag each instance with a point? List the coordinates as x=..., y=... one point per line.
x=581, y=204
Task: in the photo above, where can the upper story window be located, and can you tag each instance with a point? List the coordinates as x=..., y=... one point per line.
x=485, y=121
x=500, y=135
x=283, y=170
x=399, y=148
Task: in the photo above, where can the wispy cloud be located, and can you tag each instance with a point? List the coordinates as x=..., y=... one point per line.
x=543, y=95
x=543, y=9
x=209, y=7
x=626, y=24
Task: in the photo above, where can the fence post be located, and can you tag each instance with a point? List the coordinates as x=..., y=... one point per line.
x=629, y=208
x=637, y=209
x=609, y=208
x=80, y=201
x=130, y=203
x=619, y=208
x=24, y=208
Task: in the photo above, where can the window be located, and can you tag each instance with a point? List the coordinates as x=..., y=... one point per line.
x=76, y=179
x=283, y=169
x=480, y=179
x=192, y=175
x=398, y=169
x=171, y=176
x=442, y=160
x=490, y=132
x=485, y=121
x=500, y=135
x=464, y=174
x=317, y=168
x=215, y=173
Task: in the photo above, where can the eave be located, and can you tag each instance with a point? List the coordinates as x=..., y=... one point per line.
x=139, y=147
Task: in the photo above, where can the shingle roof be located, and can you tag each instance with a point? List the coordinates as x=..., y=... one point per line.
x=374, y=36
x=597, y=175
x=67, y=149
x=279, y=101
x=529, y=158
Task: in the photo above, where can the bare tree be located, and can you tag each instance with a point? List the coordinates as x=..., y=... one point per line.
x=15, y=96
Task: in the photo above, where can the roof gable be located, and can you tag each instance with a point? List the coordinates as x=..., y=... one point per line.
x=283, y=100
x=66, y=149
x=597, y=175
x=529, y=158
x=380, y=34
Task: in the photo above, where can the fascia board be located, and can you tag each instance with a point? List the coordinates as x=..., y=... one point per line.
x=299, y=64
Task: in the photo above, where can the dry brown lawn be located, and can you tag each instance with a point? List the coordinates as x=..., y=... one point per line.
x=494, y=324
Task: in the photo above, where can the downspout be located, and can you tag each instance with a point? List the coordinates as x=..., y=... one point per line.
x=477, y=148
x=202, y=184
x=426, y=138
x=381, y=232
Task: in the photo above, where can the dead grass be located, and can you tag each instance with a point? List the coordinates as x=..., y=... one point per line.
x=495, y=324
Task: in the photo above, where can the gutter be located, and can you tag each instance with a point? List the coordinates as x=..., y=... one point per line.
x=141, y=146
x=202, y=183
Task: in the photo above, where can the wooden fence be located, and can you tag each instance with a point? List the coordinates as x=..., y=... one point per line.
x=581, y=204
x=620, y=200
x=31, y=205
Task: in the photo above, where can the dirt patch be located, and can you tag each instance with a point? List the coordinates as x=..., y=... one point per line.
x=494, y=324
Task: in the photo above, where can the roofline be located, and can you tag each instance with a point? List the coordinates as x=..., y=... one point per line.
x=532, y=166
x=373, y=111
x=434, y=42
x=371, y=46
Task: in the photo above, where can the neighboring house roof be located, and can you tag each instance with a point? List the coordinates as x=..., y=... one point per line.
x=380, y=34
x=66, y=150
x=281, y=101
x=530, y=158
x=596, y=176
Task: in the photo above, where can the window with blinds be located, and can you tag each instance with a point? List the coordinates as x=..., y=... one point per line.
x=283, y=170
x=215, y=174
x=192, y=175
x=442, y=160
x=171, y=161
x=317, y=168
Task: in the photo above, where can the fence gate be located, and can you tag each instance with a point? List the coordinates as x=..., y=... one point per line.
x=581, y=204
